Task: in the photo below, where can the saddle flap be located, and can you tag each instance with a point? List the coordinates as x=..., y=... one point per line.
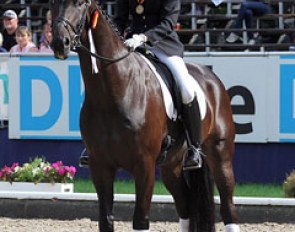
x=171, y=83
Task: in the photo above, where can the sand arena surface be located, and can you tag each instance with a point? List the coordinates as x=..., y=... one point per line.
x=86, y=225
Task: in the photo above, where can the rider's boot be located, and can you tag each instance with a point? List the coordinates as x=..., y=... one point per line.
x=84, y=159
x=192, y=123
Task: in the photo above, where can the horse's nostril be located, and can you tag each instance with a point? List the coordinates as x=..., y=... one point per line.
x=66, y=41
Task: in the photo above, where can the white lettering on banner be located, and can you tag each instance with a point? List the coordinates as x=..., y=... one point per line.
x=48, y=94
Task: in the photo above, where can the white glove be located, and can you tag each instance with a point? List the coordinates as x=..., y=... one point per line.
x=135, y=41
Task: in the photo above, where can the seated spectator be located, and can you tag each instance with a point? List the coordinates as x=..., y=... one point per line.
x=10, y=23
x=1, y=43
x=247, y=10
x=47, y=39
x=49, y=22
x=24, y=41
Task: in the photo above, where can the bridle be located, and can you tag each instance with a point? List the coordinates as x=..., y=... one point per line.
x=75, y=43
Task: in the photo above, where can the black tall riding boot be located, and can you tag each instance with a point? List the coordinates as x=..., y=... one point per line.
x=192, y=122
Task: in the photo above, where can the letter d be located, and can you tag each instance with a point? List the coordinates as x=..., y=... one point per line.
x=29, y=74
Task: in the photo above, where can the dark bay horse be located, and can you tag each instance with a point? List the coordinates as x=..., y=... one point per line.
x=124, y=124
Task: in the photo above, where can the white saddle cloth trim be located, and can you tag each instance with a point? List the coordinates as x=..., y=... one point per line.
x=169, y=106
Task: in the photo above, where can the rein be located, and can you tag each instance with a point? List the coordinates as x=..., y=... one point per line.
x=75, y=44
x=106, y=59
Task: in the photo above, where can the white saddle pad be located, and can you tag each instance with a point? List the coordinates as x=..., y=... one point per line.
x=169, y=106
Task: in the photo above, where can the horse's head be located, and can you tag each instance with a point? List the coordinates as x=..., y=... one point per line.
x=68, y=19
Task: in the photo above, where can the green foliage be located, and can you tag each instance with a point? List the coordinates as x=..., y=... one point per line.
x=289, y=185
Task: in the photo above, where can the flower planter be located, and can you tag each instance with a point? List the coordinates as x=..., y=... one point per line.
x=39, y=187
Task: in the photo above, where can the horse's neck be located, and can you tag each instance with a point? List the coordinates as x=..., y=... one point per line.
x=110, y=81
x=106, y=41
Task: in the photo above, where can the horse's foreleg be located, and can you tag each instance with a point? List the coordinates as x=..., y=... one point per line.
x=144, y=176
x=175, y=183
x=103, y=179
x=219, y=158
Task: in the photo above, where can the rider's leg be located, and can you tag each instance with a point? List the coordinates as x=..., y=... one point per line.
x=191, y=112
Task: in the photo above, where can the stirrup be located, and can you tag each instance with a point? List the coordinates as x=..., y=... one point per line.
x=84, y=159
x=193, y=158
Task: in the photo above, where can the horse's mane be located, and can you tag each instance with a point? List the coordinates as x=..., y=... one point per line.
x=109, y=19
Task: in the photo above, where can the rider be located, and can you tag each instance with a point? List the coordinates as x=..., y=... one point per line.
x=153, y=22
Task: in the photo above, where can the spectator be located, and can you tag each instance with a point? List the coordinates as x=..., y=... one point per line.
x=48, y=17
x=1, y=43
x=24, y=41
x=247, y=10
x=49, y=22
x=47, y=39
x=10, y=23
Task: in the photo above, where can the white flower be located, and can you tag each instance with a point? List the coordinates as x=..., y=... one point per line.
x=36, y=171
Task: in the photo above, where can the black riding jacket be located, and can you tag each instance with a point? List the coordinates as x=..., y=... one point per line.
x=157, y=22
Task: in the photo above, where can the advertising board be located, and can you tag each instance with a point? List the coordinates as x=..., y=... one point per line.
x=46, y=95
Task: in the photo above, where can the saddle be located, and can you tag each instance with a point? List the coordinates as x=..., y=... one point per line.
x=166, y=76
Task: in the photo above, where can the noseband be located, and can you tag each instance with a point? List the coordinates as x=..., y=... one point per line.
x=75, y=43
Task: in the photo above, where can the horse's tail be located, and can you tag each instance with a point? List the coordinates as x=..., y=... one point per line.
x=202, y=210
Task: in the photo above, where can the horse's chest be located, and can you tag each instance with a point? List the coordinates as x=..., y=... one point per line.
x=107, y=132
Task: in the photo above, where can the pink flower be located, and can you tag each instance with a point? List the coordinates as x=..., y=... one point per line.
x=72, y=171
x=59, y=163
x=46, y=169
x=14, y=165
x=1, y=174
x=6, y=170
x=61, y=171
x=55, y=166
x=67, y=168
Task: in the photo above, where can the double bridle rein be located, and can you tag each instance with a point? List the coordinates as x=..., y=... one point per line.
x=75, y=43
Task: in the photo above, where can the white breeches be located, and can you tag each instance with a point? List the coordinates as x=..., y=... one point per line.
x=188, y=86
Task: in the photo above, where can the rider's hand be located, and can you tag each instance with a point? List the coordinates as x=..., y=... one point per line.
x=135, y=41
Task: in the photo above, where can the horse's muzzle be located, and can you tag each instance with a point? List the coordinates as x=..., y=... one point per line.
x=61, y=47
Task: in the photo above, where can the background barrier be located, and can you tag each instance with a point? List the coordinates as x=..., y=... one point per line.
x=45, y=96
